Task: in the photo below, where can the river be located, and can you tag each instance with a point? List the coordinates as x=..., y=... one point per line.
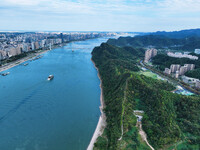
x=62, y=114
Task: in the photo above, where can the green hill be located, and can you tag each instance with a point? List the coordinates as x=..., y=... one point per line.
x=168, y=119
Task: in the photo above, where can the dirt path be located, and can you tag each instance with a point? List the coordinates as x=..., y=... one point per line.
x=122, y=127
x=139, y=115
x=144, y=136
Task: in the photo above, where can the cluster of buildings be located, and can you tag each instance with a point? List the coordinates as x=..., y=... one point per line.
x=150, y=53
x=12, y=44
x=179, y=70
x=192, y=81
x=176, y=70
x=15, y=43
x=180, y=55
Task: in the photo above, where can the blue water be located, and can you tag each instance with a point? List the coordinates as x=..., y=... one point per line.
x=62, y=114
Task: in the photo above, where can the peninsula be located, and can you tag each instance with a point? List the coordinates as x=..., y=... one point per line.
x=169, y=120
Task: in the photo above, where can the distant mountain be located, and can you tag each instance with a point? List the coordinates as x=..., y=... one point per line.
x=145, y=41
x=179, y=34
x=158, y=41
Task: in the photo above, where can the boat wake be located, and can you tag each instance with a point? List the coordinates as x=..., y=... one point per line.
x=22, y=102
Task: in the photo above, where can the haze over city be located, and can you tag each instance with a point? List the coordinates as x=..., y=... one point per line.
x=99, y=15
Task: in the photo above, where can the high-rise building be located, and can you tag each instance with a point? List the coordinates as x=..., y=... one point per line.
x=167, y=71
x=33, y=46
x=43, y=43
x=51, y=41
x=50, y=46
x=61, y=36
x=154, y=52
x=174, y=67
x=25, y=47
x=149, y=54
x=177, y=74
x=4, y=53
x=12, y=51
x=1, y=56
x=19, y=49
x=183, y=70
x=189, y=66
x=37, y=46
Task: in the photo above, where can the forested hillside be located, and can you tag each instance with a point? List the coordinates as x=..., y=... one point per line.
x=115, y=65
x=168, y=119
x=194, y=73
x=158, y=41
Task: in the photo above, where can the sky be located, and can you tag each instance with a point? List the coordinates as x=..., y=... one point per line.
x=99, y=15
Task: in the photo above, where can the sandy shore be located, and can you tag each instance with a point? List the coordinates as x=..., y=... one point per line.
x=19, y=61
x=102, y=119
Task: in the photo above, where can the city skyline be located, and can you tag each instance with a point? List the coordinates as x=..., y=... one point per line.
x=99, y=15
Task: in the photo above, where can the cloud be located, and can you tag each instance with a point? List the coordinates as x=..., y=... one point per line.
x=102, y=14
x=22, y=2
x=56, y=6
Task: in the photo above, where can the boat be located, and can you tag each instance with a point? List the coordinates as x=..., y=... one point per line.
x=50, y=77
x=25, y=64
x=38, y=57
x=72, y=50
x=5, y=74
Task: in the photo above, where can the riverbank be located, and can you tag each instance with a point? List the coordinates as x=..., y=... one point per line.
x=19, y=61
x=26, y=58
x=102, y=119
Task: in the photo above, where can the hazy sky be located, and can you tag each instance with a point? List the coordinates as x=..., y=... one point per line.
x=99, y=15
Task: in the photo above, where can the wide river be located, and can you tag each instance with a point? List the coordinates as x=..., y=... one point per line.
x=62, y=114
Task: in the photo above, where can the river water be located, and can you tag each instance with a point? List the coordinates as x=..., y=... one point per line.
x=62, y=114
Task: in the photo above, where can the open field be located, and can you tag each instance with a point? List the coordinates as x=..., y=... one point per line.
x=149, y=74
